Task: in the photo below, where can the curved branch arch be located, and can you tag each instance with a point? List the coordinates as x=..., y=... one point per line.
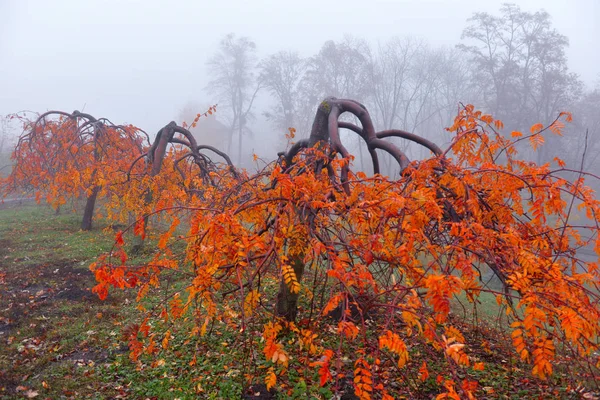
x=326, y=128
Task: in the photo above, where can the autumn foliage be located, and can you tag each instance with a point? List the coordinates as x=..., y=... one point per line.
x=370, y=265
x=61, y=157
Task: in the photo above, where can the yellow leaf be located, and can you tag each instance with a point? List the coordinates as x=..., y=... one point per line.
x=251, y=301
x=271, y=379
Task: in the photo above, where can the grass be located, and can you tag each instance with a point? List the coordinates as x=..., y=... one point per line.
x=51, y=325
x=60, y=341
x=57, y=340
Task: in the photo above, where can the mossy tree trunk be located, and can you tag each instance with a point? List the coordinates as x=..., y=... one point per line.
x=287, y=302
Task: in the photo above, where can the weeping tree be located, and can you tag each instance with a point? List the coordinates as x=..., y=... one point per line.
x=325, y=133
x=400, y=248
x=176, y=167
x=64, y=155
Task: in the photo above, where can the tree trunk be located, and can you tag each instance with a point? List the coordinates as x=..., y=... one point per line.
x=240, y=147
x=138, y=240
x=230, y=140
x=325, y=129
x=156, y=156
x=287, y=302
x=360, y=156
x=88, y=214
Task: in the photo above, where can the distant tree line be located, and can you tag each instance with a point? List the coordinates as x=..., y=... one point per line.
x=513, y=65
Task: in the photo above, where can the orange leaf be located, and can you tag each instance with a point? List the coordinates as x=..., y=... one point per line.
x=271, y=379
x=423, y=372
x=560, y=162
x=536, y=128
x=119, y=238
x=557, y=127
x=536, y=141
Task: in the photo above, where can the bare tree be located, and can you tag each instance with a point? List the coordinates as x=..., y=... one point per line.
x=339, y=70
x=6, y=143
x=234, y=82
x=414, y=87
x=438, y=84
x=584, y=133
x=519, y=65
x=7, y=133
x=451, y=89
x=3, y=133
x=388, y=69
x=282, y=74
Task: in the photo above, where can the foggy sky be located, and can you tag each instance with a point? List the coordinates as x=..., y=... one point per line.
x=141, y=61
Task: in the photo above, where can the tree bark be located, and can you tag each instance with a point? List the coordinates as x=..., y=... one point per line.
x=88, y=214
x=287, y=302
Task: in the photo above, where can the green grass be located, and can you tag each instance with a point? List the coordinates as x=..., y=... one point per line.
x=52, y=327
x=57, y=340
x=37, y=235
x=63, y=342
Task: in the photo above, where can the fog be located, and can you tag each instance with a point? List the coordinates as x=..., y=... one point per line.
x=147, y=62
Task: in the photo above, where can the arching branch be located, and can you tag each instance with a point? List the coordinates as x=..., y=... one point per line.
x=222, y=154
x=412, y=137
x=166, y=136
x=326, y=127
